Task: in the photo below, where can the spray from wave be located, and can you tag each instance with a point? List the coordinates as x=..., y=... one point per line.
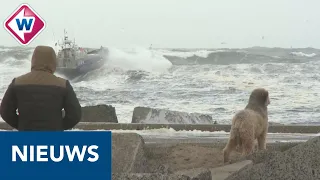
x=124, y=66
x=138, y=59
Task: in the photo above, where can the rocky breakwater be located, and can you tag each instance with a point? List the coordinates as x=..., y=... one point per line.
x=299, y=162
x=130, y=161
x=132, y=158
x=148, y=115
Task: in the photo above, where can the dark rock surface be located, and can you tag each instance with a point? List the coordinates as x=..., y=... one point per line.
x=262, y=156
x=299, y=162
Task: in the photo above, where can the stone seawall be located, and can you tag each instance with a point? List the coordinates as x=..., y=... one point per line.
x=181, y=127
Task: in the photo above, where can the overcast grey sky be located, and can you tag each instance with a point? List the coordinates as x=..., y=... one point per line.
x=175, y=23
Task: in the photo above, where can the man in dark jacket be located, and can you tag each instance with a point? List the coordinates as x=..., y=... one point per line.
x=39, y=97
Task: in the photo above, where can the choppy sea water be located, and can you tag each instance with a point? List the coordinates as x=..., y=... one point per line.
x=211, y=81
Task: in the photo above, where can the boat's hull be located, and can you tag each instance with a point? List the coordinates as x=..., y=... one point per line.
x=69, y=73
x=88, y=64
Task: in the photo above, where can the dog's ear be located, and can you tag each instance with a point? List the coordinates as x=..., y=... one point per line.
x=267, y=98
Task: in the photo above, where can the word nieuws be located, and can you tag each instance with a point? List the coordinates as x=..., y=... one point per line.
x=40, y=153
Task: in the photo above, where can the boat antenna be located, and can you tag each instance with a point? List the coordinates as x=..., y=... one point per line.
x=65, y=35
x=54, y=38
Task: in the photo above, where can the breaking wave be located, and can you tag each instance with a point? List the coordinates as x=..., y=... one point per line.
x=194, y=80
x=242, y=56
x=160, y=60
x=139, y=59
x=301, y=54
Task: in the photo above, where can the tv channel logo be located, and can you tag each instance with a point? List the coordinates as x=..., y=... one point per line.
x=24, y=24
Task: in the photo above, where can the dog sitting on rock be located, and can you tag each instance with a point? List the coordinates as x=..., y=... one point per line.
x=249, y=124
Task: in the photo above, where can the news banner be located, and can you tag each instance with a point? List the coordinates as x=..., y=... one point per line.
x=56, y=155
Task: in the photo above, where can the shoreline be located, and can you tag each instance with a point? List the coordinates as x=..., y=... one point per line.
x=304, y=129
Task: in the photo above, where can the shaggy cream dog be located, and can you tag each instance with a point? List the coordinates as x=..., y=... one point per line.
x=249, y=124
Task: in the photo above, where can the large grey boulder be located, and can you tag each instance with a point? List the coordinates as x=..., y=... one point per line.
x=162, y=116
x=299, y=162
x=262, y=156
x=128, y=153
x=99, y=113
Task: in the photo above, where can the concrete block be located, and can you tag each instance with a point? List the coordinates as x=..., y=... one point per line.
x=99, y=113
x=128, y=153
x=162, y=116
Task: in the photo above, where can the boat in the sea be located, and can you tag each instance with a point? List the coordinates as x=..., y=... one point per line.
x=75, y=61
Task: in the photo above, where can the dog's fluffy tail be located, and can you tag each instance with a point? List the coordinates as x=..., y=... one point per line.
x=236, y=136
x=233, y=142
x=239, y=125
